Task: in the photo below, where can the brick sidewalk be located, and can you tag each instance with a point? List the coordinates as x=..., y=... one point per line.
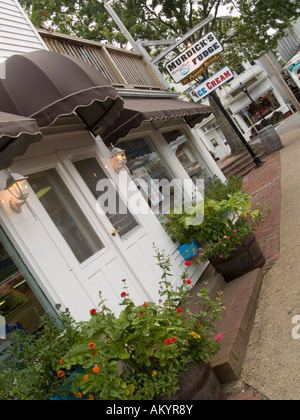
x=264, y=184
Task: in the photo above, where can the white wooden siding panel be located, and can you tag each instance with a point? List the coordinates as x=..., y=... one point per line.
x=17, y=34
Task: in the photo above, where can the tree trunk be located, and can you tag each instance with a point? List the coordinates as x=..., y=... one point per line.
x=232, y=138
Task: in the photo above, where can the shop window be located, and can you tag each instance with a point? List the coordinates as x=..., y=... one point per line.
x=152, y=175
x=65, y=214
x=267, y=104
x=187, y=155
x=240, y=69
x=21, y=300
x=91, y=172
x=214, y=142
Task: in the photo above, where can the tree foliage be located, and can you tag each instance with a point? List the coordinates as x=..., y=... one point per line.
x=250, y=29
x=255, y=26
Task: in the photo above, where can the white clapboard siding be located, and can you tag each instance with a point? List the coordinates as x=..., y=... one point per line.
x=17, y=34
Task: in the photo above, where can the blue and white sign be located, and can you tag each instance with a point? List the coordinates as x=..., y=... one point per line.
x=209, y=85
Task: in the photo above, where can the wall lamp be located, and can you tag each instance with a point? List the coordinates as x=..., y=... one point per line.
x=118, y=158
x=17, y=185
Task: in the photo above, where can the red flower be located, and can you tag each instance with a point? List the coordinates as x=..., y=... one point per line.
x=140, y=315
x=179, y=310
x=188, y=263
x=174, y=339
x=93, y=311
x=168, y=341
x=145, y=304
x=124, y=280
x=123, y=294
x=188, y=281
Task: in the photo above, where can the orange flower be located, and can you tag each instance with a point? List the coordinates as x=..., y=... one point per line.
x=79, y=395
x=92, y=346
x=61, y=362
x=96, y=369
x=91, y=397
x=86, y=377
x=60, y=373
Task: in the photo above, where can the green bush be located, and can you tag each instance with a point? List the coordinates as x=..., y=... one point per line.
x=216, y=189
x=29, y=373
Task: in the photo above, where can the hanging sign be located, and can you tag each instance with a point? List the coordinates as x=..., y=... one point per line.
x=190, y=60
x=201, y=69
x=209, y=85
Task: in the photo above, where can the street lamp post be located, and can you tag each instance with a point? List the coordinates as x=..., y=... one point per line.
x=256, y=159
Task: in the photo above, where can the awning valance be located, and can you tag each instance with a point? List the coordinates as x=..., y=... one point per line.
x=45, y=85
x=16, y=134
x=140, y=109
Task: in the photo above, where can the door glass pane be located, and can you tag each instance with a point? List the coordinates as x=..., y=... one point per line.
x=92, y=173
x=145, y=164
x=65, y=214
x=187, y=155
x=21, y=300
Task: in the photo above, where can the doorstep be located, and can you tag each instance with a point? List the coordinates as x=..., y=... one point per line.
x=240, y=300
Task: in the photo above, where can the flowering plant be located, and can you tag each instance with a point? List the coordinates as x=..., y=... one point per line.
x=140, y=353
x=28, y=364
x=226, y=223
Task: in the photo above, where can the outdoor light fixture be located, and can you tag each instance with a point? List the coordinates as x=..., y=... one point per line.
x=17, y=185
x=118, y=158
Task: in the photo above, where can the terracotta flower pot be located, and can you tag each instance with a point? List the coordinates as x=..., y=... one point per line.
x=198, y=383
x=246, y=257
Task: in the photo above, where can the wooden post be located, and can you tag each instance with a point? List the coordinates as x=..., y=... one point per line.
x=267, y=59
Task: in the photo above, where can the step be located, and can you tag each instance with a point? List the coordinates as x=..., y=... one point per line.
x=242, y=167
x=240, y=299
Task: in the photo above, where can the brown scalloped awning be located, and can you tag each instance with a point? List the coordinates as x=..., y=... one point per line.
x=140, y=109
x=16, y=134
x=44, y=86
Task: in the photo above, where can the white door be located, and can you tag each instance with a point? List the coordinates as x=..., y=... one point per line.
x=67, y=221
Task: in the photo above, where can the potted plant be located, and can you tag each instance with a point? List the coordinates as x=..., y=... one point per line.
x=225, y=234
x=142, y=353
x=215, y=189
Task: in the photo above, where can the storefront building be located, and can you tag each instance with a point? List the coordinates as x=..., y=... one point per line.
x=266, y=101
x=59, y=130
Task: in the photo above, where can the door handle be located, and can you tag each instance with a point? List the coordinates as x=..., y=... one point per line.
x=114, y=232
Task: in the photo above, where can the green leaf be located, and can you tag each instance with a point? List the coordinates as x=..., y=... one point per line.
x=84, y=348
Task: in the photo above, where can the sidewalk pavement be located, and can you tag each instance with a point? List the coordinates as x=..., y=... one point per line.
x=271, y=366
